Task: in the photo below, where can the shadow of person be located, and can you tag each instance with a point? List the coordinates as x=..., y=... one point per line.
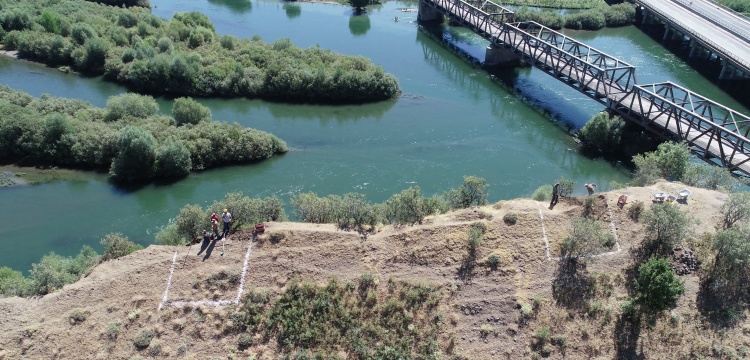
x=210, y=249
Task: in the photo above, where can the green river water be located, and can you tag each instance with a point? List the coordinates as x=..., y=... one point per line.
x=452, y=120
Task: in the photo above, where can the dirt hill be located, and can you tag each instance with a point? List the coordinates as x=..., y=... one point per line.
x=167, y=302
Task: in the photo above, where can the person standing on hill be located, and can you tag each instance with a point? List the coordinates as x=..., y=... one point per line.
x=555, y=195
x=215, y=228
x=227, y=217
x=206, y=241
x=214, y=217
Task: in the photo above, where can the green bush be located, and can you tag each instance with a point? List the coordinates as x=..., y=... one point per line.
x=173, y=160
x=144, y=337
x=493, y=262
x=130, y=105
x=587, y=237
x=116, y=245
x=53, y=271
x=189, y=222
x=542, y=193
x=168, y=236
x=13, y=283
x=182, y=56
x=619, y=14
x=602, y=134
x=408, y=207
x=736, y=209
x=667, y=225
x=473, y=191
x=656, y=286
x=592, y=19
x=510, y=218
x=669, y=161
x=566, y=187
x=709, y=177
x=476, y=234
x=189, y=111
x=136, y=160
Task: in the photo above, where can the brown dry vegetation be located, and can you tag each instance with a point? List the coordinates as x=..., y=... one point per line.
x=524, y=309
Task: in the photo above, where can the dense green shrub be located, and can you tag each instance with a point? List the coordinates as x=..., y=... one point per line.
x=566, y=186
x=127, y=137
x=189, y=111
x=189, y=222
x=709, y=177
x=656, y=286
x=409, y=207
x=667, y=225
x=473, y=191
x=619, y=14
x=551, y=19
x=602, y=134
x=669, y=161
x=542, y=193
x=183, y=57
x=729, y=275
x=592, y=19
x=53, y=271
x=587, y=238
x=116, y=245
x=13, y=283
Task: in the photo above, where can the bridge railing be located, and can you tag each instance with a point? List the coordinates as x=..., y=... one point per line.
x=566, y=57
x=488, y=17
x=716, y=130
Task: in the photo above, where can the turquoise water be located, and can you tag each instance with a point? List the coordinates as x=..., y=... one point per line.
x=452, y=120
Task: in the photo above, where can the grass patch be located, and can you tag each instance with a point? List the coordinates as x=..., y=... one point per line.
x=401, y=322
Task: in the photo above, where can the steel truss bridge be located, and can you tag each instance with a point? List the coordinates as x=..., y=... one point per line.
x=713, y=132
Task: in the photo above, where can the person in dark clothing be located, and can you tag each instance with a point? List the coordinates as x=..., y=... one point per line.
x=554, y=196
x=206, y=241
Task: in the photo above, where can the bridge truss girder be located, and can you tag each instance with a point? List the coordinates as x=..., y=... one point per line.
x=568, y=57
x=714, y=132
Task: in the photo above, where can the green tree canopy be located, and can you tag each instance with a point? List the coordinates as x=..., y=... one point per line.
x=656, y=286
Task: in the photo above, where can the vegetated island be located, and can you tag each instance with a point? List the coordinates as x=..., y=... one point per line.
x=127, y=137
x=184, y=56
x=474, y=283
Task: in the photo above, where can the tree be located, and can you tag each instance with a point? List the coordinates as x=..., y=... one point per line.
x=566, y=187
x=190, y=221
x=359, y=4
x=173, y=160
x=670, y=160
x=136, y=158
x=656, y=286
x=407, y=207
x=188, y=111
x=472, y=191
x=667, y=224
x=736, y=209
x=602, y=133
x=731, y=266
x=116, y=245
x=130, y=104
x=587, y=237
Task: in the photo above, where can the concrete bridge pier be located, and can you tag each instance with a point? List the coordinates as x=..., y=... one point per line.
x=666, y=32
x=496, y=56
x=428, y=13
x=693, y=46
x=645, y=17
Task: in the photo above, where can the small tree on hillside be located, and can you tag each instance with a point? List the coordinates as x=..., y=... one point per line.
x=190, y=221
x=472, y=191
x=587, y=237
x=566, y=187
x=656, y=286
x=667, y=224
x=736, y=209
x=116, y=245
x=731, y=268
x=669, y=161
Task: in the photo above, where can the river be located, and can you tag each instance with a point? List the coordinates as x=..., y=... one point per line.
x=452, y=120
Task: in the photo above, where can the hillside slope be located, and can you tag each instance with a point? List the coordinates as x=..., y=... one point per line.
x=481, y=313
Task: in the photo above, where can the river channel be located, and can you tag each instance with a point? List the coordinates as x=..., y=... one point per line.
x=453, y=119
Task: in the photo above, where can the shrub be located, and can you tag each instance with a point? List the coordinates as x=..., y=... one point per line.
x=130, y=105
x=635, y=210
x=189, y=222
x=619, y=14
x=476, y=233
x=592, y=19
x=656, y=285
x=731, y=266
x=168, y=236
x=667, y=224
x=602, y=134
x=708, y=177
x=493, y=262
x=137, y=156
x=542, y=334
x=113, y=330
x=669, y=161
x=586, y=238
x=53, y=271
x=472, y=191
x=116, y=245
x=244, y=341
x=188, y=111
x=542, y=193
x=409, y=207
x=566, y=187
x=77, y=315
x=143, y=339
x=510, y=218
x=735, y=209
x=173, y=160
x=13, y=283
